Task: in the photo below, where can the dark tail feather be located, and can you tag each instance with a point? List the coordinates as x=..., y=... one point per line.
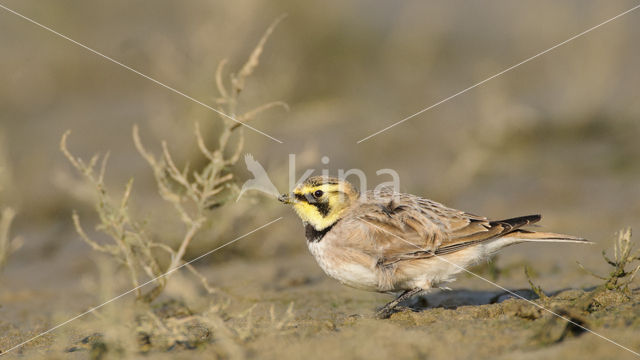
x=512, y=224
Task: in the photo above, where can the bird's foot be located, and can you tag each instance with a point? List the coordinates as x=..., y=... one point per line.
x=392, y=307
x=385, y=313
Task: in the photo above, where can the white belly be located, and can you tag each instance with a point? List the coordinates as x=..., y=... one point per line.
x=338, y=267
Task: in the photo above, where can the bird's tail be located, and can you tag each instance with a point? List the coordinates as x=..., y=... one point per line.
x=514, y=235
x=533, y=236
x=512, y=229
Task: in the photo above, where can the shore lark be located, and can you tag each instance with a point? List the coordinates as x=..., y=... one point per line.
x=390, y=242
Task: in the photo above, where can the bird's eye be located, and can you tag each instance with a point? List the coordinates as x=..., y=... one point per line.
x=318, y=193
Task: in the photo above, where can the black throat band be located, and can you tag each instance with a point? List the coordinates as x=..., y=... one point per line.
x=314, y=235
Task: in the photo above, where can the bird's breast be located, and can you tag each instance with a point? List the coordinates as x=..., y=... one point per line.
x=349, y=268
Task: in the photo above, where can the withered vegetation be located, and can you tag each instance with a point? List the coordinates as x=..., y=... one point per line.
x=7, y=214
x=624, y=256
x=6, y=245
x=191, y=193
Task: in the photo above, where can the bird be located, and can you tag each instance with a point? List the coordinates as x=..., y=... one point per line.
x=260, y=181
x=398, y=243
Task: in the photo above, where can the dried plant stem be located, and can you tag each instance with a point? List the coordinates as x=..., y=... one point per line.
x=623, y=256
x=535, y=288
x=177, y=258
x=191, y=192
x=6, y=218
x=130, y=246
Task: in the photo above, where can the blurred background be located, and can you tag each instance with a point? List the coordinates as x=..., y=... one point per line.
x=557, y=136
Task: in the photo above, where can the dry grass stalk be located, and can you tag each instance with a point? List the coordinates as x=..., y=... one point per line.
x=131, y=247
x=6, y=245
x=535, y=288
x=284, y=321
x=191, y=192
x=623, y=257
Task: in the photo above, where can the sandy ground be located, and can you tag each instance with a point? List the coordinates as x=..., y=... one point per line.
x=474, y=319
x=557, y=136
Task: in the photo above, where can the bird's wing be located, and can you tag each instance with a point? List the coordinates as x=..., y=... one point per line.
x=404, y=227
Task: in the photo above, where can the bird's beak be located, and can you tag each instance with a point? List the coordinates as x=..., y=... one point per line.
x=285, y=198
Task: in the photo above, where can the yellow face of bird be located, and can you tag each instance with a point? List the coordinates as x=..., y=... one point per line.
x=321, y=201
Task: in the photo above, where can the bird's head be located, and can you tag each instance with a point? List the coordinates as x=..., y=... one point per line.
x=320, y=201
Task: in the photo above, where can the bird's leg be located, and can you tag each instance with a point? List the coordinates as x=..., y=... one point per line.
x=387, y=310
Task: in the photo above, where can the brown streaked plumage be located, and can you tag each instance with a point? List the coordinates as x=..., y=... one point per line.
x=390, y=242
